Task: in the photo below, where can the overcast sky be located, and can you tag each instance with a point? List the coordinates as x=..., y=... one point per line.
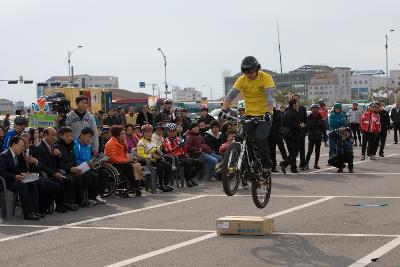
x=200, y=38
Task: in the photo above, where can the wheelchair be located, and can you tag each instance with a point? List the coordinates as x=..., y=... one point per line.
x=114, y=182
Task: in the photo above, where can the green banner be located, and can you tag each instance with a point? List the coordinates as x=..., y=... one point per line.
x=42, y=120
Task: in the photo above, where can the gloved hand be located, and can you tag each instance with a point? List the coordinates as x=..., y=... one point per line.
x=223, y=114
x=267, y=116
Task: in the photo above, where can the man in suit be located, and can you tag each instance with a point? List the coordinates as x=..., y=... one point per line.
x=395, y=116
x=13, y=168
x=45, y=153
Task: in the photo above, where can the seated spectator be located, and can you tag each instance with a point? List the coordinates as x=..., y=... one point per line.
x=117, y=151
x=180, y=132
x=230, y=140
x=343, y=142
x=104, y=137
x=186, y=121
x=174, y=147
x=212, y=137
x=198, y=149
x=65, y=163
x=35, y=136
x=224, y=131
x=2, y=133
x=148, y=150
x=111, y=118
x=131, y=117
x=157, y=137
x=133, y=135
x=202, y=127
x=14, y=169
x=207, y=118
x=45, y=153
x=83, y=152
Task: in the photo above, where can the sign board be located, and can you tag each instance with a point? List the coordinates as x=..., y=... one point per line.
x=142, y=84
x=42, y=120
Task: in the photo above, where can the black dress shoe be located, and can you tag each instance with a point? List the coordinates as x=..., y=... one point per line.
x=70, y=207
x=40, y=215
x=31, y=217
x=60, y=209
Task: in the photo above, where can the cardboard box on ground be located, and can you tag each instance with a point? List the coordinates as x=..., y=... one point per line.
x=245, y=225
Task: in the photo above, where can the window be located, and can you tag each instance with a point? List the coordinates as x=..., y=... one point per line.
x=355, y=82
x=365, y=82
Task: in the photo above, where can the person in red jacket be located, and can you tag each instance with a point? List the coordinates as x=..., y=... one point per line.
x=198, y=149
x=173, y=146
x=370, y=126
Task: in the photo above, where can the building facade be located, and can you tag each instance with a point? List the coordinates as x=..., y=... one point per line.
x=188, y=94
x=6, y=106
x=331, y=86
x=80, y=81
x=364, y=82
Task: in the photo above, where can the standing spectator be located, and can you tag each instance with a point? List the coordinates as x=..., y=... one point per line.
x=121, y=116
x=186, y=121
x=395, y=116
x=174, y=147
x=2, y=133
x=81, y=118
x=302, y=137
x=148, y=150
x=370, y=125
x=20, y=124
x=13, y=168
x=212, y=137
x=131, y=117
x=157, y=137
x=207, y=118
x=337, y=119
x=355, y=114
x=111, y=118
x=292, y=121
x=144, y=116
x=166, y=114
x=198, y=149
x=324, y=115
x=6, y=122
x=315, y=126
x=275, y=139
x=385, y=127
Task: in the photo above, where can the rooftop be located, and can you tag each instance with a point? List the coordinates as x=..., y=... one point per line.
x=368, y=72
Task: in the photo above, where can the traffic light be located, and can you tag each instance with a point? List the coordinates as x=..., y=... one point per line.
x=28, y=82
x=13, y=82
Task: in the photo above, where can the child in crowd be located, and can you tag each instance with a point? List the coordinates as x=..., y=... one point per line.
x=146, y=149
x=231, y=138
x=344, y=149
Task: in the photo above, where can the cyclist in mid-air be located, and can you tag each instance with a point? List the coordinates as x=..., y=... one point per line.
x=258, y=92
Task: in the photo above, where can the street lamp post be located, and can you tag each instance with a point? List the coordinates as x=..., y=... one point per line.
x=69, y=62
x=165, y=72
x=387, y=60
x=210, y=90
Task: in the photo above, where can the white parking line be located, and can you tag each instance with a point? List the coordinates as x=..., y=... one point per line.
x=300, y=196
x=333, y=234
x=205, y=237
x=377, y=253
x=99, y=218
x=163, y=250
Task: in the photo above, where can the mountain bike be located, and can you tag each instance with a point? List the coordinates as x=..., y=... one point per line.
x=242, y=162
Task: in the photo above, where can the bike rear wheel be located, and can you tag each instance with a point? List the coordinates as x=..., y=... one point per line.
x=261, y=188
x=230, y=169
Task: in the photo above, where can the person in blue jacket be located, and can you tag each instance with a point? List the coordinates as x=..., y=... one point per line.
x=337, y=119
x=20, y=123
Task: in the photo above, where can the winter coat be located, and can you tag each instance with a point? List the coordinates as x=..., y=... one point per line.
x=116, y=152
x=370, y=122
x=212, y=141
x=77, y=122
x=292, y=120
x=385, y=119
x=355, y=115
x=195, y=145
x=395, y=116
x=336, y=120
x=315, y=126
x=82, y=153
x=173, y=146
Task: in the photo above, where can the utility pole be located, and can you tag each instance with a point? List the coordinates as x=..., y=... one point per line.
x=279, y=45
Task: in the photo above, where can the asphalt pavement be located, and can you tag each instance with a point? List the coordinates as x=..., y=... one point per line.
x=317, y=223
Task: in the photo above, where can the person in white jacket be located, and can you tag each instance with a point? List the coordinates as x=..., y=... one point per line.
x=354, y=116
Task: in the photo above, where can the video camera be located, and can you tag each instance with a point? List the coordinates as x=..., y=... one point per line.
x=59, y=103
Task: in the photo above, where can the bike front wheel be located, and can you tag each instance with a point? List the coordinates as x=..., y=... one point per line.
x=230, y=169
x=261, y=189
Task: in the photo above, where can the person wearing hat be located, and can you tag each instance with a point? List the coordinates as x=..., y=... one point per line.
x=315, y=126
x=337, y=119
x=370, y=125
x=355, y=114
x=173, y=146
x=166, y=115
x=207, y=118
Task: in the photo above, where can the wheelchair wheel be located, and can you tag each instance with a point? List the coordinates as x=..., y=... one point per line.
x=111, y=175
